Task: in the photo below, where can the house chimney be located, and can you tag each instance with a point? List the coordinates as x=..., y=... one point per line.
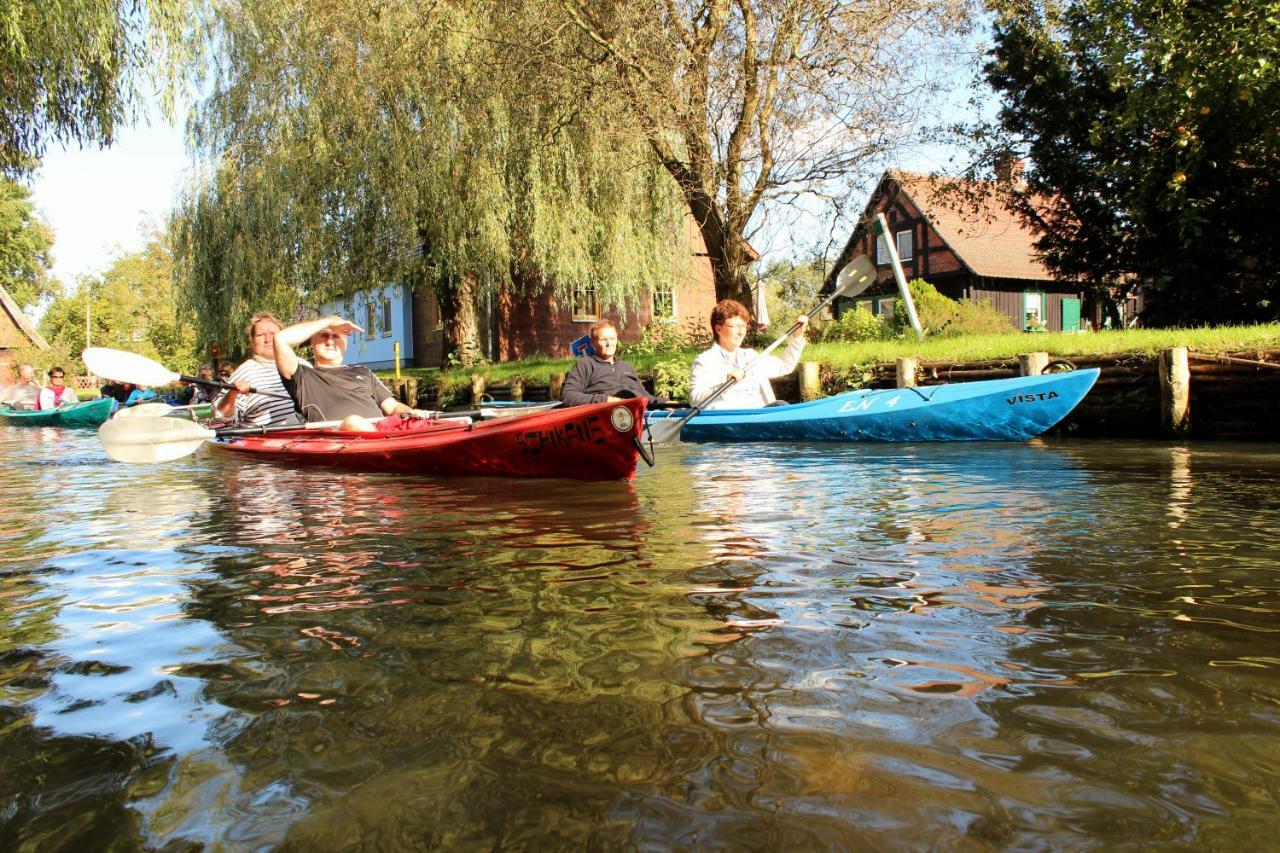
x=1009, y=170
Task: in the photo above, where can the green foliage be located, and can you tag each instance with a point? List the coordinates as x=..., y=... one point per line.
x=132, y=306
x=791, y=288
x=25, y=244
x=73, y=69
x=672, y=378
x=1151, y=125
x=941, y=316
x=354, y=146
x=661, y=339
x=856, y=324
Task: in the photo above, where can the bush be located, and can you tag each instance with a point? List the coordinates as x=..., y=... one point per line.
x=854, y=326
x=946, y=318
x=660, y=338
x=672, y=379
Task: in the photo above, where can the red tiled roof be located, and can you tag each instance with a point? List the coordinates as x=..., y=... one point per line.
x=986, y=236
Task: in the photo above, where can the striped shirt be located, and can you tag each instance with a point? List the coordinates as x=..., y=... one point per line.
x=255, y=409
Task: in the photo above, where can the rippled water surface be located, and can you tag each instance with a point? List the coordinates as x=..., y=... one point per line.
x=794, y=646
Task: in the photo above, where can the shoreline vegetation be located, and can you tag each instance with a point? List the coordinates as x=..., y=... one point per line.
x=852, y=359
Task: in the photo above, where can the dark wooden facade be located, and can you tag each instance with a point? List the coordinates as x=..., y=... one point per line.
x=974, y=255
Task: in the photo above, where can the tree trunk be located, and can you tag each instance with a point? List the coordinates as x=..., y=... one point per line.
x=457, y=300
x=425, y=311
x=725, y=246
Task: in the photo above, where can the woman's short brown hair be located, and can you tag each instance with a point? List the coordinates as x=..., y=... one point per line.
x=726, y=310
x=258, y=318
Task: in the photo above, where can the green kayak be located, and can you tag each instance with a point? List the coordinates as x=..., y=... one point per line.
x=89, y=414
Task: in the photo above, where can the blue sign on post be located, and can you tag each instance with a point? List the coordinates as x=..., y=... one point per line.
x=582, y=346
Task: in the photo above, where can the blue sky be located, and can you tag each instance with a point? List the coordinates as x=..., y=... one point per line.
x=97, y=200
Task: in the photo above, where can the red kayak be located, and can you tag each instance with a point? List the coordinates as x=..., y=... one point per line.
x=597, y=442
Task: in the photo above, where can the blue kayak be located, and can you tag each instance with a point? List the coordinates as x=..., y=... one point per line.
x=995, y=410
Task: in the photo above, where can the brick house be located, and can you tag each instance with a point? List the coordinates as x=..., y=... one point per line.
x=518, y=326
x=973, y=249
x=16, y=332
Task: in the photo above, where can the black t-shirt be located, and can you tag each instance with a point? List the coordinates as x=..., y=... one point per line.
x=332, y=393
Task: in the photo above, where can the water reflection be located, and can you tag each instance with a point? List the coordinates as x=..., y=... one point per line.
x=766, y=646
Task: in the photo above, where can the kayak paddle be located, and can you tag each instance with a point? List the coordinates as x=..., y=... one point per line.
x=144, y=440
x=120, y=366
x=145, y=410
x=855, y=277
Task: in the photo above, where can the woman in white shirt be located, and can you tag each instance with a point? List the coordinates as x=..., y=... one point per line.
x=727, y=358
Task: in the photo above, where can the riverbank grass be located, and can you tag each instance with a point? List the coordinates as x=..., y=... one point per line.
x=538, y=370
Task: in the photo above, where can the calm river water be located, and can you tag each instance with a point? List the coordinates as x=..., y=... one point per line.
x=1054, y=644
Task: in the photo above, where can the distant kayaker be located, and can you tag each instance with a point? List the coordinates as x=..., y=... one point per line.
x=138, y=394
x=201, y=394
x=57, y=393
x=331, y=390
x=602, y=377
x=258, y=373
x=25, y=395
x=726, y=358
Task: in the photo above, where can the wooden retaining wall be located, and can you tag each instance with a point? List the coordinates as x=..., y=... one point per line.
x=1222, y=395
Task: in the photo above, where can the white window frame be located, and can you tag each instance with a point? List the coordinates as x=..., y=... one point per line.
x=669, y=290
x=909, y=242
x=581, y=293
x=882, y=251
x=386, y=317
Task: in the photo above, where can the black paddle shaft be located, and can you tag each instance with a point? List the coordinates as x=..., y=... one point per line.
x=227, y=386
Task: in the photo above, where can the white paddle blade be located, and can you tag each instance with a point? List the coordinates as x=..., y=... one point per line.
x=857, y=276
x=498, y=412
x=145, y=410
x=120, y=366
x=147, y=440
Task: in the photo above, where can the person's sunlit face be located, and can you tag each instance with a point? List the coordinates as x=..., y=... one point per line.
x=264, y=339
x=56, y=379
x=329, y=347
x=606, y=343
x=26, y=374
x=730, y=333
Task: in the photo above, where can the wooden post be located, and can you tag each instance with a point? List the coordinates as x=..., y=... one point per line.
x=442, y=394
x=1033, y=363
x=810, y=381
x=906, y=372
x=409, y=391
x=517, y=388
x=557, y=385
x=477, y=389
x=1175, y=391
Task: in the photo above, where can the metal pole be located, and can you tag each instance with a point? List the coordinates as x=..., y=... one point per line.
x=882, y=226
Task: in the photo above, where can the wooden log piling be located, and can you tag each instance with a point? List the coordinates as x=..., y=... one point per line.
x=1175, y=392
x=1033, y=363
x=810, y=381
x=906, y=372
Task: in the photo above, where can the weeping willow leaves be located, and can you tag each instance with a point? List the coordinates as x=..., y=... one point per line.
x=72, y=70
x=353, y=147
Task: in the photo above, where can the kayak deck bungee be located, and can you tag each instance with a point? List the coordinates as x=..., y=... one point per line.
x=992, y=410
x=87, y=415
x=596, y=442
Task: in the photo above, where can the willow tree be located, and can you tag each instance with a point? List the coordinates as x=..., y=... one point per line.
x=354, y=147
x=750, y=101
x=73, y=70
